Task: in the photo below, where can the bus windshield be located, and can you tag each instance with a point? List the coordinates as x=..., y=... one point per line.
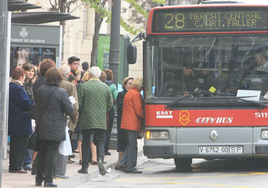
x=205, y=67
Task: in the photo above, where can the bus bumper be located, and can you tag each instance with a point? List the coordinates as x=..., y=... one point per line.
x=162, y=150
x=188, y=142
x=261, y=149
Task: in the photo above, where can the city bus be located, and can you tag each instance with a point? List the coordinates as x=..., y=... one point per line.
x=205, y=82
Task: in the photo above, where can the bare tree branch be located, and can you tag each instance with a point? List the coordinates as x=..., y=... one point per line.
x=75, y=8
x=68, y=4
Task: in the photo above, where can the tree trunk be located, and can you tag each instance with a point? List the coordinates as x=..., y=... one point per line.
x=98, y=22
x=95, y=40
x=63, y=23
x=62, y=7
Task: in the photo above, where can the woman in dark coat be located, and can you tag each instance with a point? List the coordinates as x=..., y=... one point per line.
x=44, y=65
x=53, y=104
x=121, y=134
x=19, y=123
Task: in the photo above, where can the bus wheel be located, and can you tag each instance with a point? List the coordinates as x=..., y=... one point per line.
x=183, y=163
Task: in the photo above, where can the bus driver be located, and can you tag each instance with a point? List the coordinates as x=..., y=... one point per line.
x=178, y=84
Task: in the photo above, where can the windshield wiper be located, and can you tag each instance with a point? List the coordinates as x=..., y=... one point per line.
x=249, y=101
x=242, y=98
x=204, y=92
x=191, y=94
x=176, y=101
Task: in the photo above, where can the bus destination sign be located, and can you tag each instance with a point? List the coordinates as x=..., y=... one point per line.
x=174, y=20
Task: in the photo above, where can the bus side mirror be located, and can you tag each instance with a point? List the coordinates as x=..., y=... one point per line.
x=131, y=54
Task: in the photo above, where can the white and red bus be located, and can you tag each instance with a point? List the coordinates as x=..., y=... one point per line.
x=206, y=82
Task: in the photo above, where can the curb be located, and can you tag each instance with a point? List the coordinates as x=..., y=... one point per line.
x=80, y=179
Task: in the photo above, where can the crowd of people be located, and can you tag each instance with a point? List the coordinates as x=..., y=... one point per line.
x=75, y=113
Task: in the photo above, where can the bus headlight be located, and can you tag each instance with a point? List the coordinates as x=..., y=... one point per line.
x=264, y=134
x=157, y=135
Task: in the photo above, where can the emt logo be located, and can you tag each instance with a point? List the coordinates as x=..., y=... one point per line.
x=164, y=114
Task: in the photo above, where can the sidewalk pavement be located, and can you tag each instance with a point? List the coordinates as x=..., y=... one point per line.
x=17, y=180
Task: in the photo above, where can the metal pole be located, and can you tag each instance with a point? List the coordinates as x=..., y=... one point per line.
x=115, y=37
x=114, y=56
x=3, y=57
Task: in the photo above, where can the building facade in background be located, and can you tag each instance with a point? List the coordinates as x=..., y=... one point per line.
x=79, y=33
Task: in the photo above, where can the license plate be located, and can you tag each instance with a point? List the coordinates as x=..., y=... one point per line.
x=220, y=149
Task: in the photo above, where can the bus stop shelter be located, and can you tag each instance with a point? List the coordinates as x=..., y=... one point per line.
x=27, y=35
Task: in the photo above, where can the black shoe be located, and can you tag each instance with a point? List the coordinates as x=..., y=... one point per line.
x=116, y=167
x=70, y=161
x=72, y=156
x=122, y=168
x=101, y=168
x=83, y=170
x=17, y=171
x=33, y=173
x=38, y=183
x=50, y=184
x=135, y=171
x=107, y=153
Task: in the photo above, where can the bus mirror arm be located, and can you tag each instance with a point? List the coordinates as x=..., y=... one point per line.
x=138, y=37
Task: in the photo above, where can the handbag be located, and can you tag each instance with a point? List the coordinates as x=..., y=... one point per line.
x=33, y=142
x=65, y=147
x=33, y=139
x=33, y=112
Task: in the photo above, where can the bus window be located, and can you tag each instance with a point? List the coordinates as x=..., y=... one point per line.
x=205, y=64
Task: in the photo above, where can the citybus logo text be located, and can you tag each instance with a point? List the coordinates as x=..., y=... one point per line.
x=214, y=120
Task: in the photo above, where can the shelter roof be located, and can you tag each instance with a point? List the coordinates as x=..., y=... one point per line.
x=15, y=5
x=39, y=17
